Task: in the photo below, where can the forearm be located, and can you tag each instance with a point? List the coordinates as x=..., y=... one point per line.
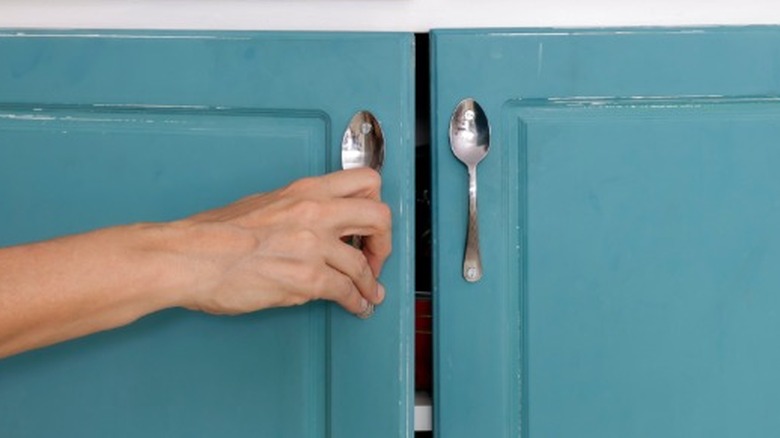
x=69, y=287
x=280, y=248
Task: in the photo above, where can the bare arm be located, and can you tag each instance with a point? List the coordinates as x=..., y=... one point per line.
x=275, y=249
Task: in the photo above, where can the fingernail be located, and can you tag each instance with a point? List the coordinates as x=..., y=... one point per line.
x=366, y=309
x=380, y=292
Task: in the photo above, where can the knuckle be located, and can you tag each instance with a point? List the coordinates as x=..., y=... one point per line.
x=307, y=210
x=306, y=240
x=385, y=215
x=374, y=179
x=388, y=249
x=301, y=185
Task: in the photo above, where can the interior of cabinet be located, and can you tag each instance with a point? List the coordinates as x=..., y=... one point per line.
x=423, y=244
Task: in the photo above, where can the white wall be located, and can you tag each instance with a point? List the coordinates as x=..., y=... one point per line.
x=402, y=15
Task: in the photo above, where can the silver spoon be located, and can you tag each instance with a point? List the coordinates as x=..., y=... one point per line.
x=363, y=145
x=470, y=141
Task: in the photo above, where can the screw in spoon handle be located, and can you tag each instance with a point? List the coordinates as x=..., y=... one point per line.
x=472, y=261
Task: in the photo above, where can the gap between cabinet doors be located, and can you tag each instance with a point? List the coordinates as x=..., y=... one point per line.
x=423, y=400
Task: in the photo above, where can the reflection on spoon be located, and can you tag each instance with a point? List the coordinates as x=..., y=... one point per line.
x=363, y=144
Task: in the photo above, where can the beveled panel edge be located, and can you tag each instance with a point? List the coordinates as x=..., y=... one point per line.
x=636, y=102
x=514, y=194
x=49, y=111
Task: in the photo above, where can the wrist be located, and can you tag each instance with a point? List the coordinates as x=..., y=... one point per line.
x=171, y=277
x=190, y=258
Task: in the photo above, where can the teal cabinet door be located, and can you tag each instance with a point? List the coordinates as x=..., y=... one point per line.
x=630, y=230
x=103, y=128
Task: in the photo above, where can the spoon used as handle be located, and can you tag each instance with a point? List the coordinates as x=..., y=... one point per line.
x=363, y=145
x=470, y=142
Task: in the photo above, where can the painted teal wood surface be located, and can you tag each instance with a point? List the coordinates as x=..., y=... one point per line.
x=629, y=214
x=103, y=128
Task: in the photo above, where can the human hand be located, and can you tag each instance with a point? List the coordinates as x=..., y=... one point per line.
x=285, y=247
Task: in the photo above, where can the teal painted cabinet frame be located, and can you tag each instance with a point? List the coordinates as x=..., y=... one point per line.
x=629, y=211
x=108, y=127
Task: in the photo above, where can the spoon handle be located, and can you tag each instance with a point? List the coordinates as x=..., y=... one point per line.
x=472, y=261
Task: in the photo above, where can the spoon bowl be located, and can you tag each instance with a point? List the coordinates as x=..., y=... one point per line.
x=363, y=144
x=469, y=132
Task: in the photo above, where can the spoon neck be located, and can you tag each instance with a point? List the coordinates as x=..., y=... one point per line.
x=472, y=183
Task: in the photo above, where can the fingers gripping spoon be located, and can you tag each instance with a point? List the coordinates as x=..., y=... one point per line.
x=363, y=145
